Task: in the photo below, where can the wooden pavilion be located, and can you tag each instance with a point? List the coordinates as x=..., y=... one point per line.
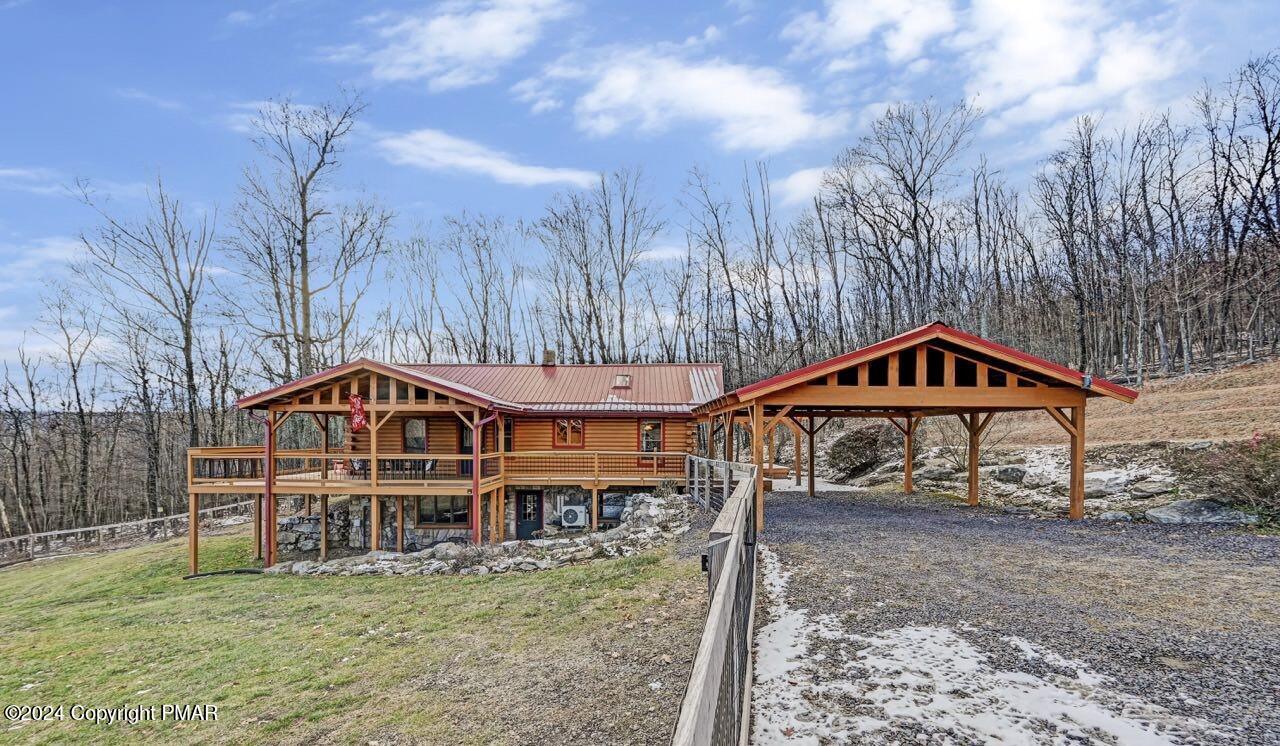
x=931, y=371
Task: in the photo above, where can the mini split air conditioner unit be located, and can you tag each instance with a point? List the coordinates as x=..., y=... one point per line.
x=575, y=516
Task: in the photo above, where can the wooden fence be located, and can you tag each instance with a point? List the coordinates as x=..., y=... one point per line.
x=28, y=546
x=716, y=708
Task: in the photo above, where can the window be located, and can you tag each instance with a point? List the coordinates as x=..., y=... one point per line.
x=402, y=391
x=651, y=436
x=508, y=435
x=567, y=433
x=384, y=389
x=415, y=435
x=443, y=509
x=465, y=440
x=622, y=381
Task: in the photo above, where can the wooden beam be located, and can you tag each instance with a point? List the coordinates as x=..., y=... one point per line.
x=375, y=522
x=595, y=507
x=757, y=457
x=1076, y=507
x=257, y=527
x=908, y=453
x=986, y=422
x=400, y=524
x=324, y=528
x=1062, y=419
x=812, y=431
x=974, y=438
x=193, y=533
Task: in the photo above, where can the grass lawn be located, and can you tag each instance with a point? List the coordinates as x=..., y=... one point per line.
x=598, y=652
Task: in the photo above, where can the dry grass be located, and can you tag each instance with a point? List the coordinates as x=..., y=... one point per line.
x=567, y=655
x=1229, y=405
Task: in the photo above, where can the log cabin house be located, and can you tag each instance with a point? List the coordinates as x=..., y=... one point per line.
x=459, y=452
x=475, y=452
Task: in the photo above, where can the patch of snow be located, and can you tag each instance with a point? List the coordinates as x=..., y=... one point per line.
x=786, y=484
x=933, y=681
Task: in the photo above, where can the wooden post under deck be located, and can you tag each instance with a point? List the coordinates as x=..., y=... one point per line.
x=375, y=522
x=257, y=527
x=502, y=514
x=400, y=523
x=324, y=527
x=193, y=533
x=757, y=456
x=971, y=423
x=595, y=507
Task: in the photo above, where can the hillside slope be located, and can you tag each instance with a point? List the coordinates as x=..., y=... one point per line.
x=1227, y=405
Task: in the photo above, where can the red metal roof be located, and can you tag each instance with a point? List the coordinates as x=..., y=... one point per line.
x=929, y=331
x=658, y=387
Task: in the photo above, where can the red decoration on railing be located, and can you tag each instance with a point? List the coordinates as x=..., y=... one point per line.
x=358, y=418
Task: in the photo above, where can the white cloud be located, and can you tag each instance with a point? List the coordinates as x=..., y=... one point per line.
x=537, y=94
x=34, y=261
x=801, y=186
x=439, y=151
x=32, y=180
x=904, y=27
x=652, y=90
x=459, y=44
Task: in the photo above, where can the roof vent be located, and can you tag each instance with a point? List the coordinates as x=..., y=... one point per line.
x=548, y=357
x=622, y=381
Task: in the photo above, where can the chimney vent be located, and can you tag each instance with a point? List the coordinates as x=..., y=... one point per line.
x=548, y=357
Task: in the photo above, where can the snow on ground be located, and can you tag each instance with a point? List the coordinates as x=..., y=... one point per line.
x=787, y=484
x=934, y=682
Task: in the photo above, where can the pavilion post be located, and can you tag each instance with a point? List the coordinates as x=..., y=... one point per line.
x=730, y=442
x=1076, y=508
x=375, y=504
x=757, y=455
x=811, y=455
x=908, y=454
x=971, y=424
x=193, y=533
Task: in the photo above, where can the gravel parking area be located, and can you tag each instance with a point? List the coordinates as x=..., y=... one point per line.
x=889, y=618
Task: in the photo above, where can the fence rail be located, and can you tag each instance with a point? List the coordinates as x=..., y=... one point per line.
x=24, y=546
x=716, y=708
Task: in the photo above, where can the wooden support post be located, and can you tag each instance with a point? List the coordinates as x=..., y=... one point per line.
x=595, y=507
x=193, y=533
x=257, y=527
x=1076, y=508
x=375, y=523
x=306, y=505
x=730, y=443
x=324, y=446
x=324, y=528
x=908, y=456
x=974, y=435
x=502, y=514
x=400, y=523
x=757, y=457
x=811, y=433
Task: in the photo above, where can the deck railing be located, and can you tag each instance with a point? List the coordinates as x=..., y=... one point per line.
x=716, y=708
x=243, y=466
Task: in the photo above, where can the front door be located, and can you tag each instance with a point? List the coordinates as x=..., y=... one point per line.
x=528, y=514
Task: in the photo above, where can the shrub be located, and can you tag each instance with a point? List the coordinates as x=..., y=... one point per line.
x=1244, y=474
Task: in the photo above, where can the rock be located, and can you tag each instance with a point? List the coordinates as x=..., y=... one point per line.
x=933, y=473
x=1107, y=482
x=1115, y=515
x=1199, y=445
x=863, y=449
x=282, y=568
x=446, y=550
x=1198, y=510
x=305, y=567
x=1150, y=488
x=1037, y=479
x=1011, y=473
x=382, y=554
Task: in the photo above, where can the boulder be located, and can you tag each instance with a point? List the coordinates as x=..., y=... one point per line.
x=933, y=473
x=1115, y=515
x=1198, y=510
x=1011, y=473
x=1103, y=483
x=446, y=550
x=863, y=449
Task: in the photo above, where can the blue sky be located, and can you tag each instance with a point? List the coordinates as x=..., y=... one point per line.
x=494, y=106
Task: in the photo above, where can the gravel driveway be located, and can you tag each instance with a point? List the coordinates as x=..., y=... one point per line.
x=888, y=618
